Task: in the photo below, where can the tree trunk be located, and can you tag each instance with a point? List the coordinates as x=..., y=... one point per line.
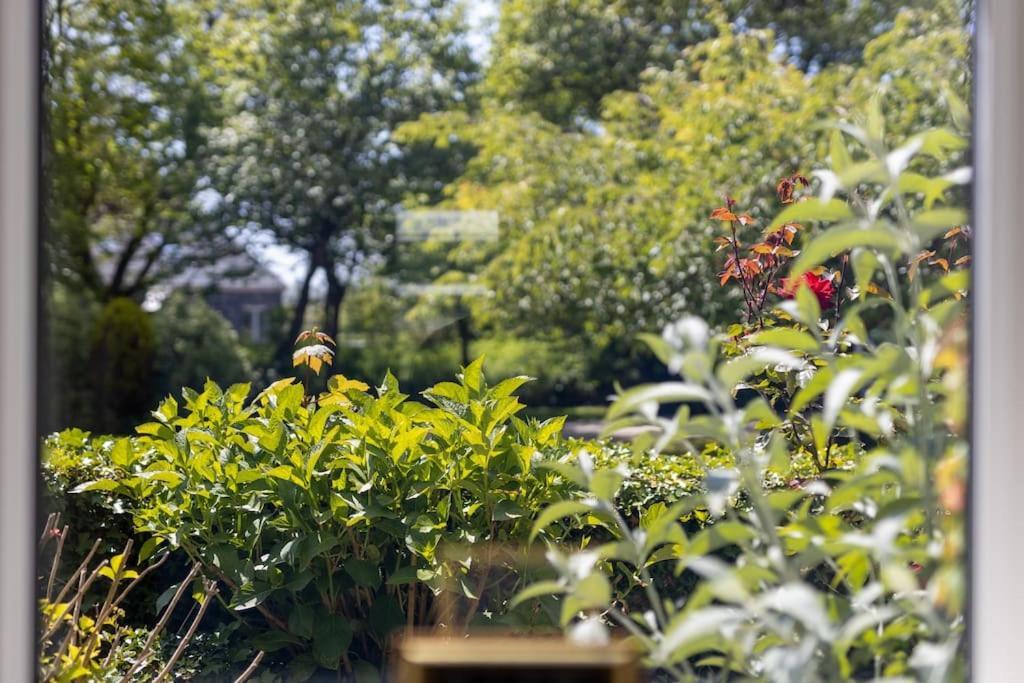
x=284, y=349
x=465, y=335
x=332, y=302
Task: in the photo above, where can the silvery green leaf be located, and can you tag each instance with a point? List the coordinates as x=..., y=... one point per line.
x=590, y=632
x=691, y=626
x=801, y=602
x=898, y=159
x=838, y=393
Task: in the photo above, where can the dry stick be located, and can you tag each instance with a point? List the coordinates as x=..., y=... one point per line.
x=83, y=567
x=56, y=562
x=267, y=614
x=148, y=645
x=79, y=594
x=77, y=577
x=251, y=669
x=211, y=589
x=410, y=615
x=49, y=526
x=140, y=577
x=108, y=601
x=113, y=647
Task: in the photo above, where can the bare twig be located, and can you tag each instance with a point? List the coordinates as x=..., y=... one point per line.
x=79, y=595
x=151, y=568
x=108, y=601
x=83, y=567
x=56, y=561
x=52, y=520
x=211, y=589
x=147, y=647
x=251, y=669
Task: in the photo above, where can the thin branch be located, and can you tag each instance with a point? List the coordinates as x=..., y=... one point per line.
x=128, y=589
x=251, y=669
x=211, y=590
x=148, y=645
x=56, y=562
x=82, y=568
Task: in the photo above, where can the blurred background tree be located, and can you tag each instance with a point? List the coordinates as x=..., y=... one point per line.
x=602, y=132
x=309, y=155
x=128, y=107
x=195, y=343
x=122, y=348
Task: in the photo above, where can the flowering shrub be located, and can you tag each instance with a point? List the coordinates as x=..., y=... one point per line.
x=855, y=573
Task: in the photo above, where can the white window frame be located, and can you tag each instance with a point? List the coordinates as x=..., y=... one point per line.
x=997, y=474
x=19, y=96
x=996, y=520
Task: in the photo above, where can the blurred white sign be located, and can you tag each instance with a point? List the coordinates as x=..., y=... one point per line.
x=447, y=226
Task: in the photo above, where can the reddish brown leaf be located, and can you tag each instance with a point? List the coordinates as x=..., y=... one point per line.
x=723, y=214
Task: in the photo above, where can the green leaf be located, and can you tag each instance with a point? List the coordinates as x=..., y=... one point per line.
x=149, y=547
x=506, y=510
x=663, y=392
x=865, y=262
x=98, y=485
x=537, y=590
x=121, y=453
x=402, y=576
x=301, y=619
x=473, y=374
x=287, y=473
x=786, y=338
x=839, y=391
x=605, y=484
x=720, y=534
x=550, y=428
x=363, y=572
x=562, y=508
x=690, y=627
x=814, y=388
x=930, y=224
x=755, y=361
x=593, y=591
x=272, y=641
x=812, y=209
x=842, y=238
x=385, y=615
x=332, y=635
x=507, y=387
x=838, y=154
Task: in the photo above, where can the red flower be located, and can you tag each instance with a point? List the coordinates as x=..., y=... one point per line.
x=821, y=286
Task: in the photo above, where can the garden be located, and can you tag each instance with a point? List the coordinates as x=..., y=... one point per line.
x=735, y=239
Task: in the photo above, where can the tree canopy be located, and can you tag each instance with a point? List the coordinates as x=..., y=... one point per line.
x=310, y=154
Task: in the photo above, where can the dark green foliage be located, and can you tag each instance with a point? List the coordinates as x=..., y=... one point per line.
x=122, y=352
x=195, y=343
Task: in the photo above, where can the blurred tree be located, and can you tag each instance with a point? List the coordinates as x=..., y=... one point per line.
x=127, y=103
x=816, y=33
x=605, y=229
x=122, y=350
x=310, y=155
x=559, y=58
x=196, y=343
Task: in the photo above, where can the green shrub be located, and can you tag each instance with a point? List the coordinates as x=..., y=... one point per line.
x=331, y=521
x=856, y=571
x=196, y=343
x=122, y=348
